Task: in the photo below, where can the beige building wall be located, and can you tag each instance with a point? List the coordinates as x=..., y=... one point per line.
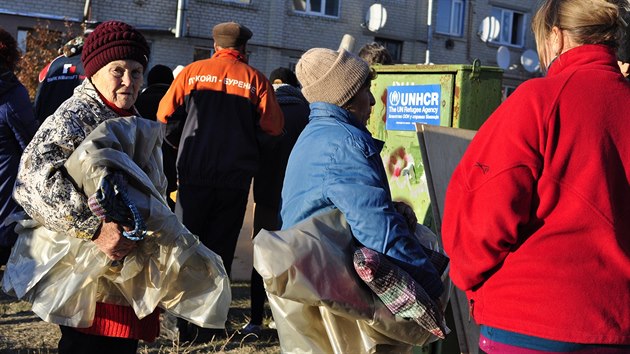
x=282, y=34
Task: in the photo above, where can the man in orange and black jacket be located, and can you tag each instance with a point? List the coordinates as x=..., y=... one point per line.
x=225, y=109
x=218, y=112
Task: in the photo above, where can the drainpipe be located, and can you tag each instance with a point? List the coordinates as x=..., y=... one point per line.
x=429, y=34
x=87, y=10
x=471, y=10
x=181, y=18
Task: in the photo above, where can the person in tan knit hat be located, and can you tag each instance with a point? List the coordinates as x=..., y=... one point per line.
x=336, y=164
x=332, y=77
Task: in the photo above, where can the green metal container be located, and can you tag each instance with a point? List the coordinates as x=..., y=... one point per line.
x=463, y=96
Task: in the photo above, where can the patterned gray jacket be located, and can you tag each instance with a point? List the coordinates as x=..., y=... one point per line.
x=42, y=186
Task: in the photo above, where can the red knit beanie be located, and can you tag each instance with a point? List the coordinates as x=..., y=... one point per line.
x=113, y=40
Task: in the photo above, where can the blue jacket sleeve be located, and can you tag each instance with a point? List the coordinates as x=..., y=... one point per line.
x=21, y=118
x=357, y=185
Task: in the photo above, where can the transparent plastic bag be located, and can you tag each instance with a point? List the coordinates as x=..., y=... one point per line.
x=63, y=277
x=318, y=301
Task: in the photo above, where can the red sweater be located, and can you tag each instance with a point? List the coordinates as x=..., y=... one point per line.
x=537, y=214
x=121, y=321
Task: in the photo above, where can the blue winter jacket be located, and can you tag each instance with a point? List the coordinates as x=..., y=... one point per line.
x=336, y=163
x=17, y=127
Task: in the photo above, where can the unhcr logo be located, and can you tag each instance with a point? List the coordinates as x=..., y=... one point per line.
x=394, y=98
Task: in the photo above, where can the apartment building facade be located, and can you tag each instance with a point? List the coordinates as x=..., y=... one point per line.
x=180, y=31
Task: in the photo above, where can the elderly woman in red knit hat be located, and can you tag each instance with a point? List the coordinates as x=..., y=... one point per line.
x=115, y=57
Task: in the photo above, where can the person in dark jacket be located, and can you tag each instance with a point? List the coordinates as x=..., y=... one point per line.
x=623, y=47
x=268, y=181
x=17, y=127
x=159, y=80
x=58, y=79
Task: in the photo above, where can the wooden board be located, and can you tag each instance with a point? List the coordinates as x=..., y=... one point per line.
x=442, y=149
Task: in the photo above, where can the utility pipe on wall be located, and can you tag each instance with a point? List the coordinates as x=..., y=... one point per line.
x=427, y=59
x=87, y=10
x=181, y=18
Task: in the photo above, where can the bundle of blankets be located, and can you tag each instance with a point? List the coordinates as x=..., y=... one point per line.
x=329, y=294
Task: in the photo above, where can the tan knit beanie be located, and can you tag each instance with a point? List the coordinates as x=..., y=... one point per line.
x=330, y=76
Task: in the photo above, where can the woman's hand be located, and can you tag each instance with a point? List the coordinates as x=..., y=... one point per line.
x=406, y=211
x=109, y=240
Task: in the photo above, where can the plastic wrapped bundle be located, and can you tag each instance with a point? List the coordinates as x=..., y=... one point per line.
x=319, y=303
x=63, y=277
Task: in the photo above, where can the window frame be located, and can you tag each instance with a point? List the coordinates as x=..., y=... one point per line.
x=22, y=39
x=394, y=47
x=506, y=91
x=198, y=51
x=500, y=40
x=460, y=22
x=322, y=13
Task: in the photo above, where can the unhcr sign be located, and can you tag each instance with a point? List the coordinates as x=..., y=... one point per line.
x=408, y=105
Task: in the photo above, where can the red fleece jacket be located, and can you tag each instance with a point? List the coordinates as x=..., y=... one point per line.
x=537, y=213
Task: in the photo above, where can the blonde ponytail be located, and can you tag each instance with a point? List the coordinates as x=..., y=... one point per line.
x=585, y=21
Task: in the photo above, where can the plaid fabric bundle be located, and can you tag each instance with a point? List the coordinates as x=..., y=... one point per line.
x=110, y=202
x=400, y=293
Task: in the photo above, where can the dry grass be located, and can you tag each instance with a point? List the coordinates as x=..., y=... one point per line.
x=234, y=343
x=21, y=331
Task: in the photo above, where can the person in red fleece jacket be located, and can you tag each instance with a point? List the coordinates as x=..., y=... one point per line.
x=537, y=213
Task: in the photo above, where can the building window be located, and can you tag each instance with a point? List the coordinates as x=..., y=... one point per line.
x=506, y=91
x=450, y=17
x=293, y=63
x=200, y=53
x=244, y=2
x=318, y=7
x=512, y=26
x=393, y=47
x=22, y=36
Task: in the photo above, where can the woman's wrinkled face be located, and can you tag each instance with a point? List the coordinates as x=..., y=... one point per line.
x=361, y=104
x=120, y=82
